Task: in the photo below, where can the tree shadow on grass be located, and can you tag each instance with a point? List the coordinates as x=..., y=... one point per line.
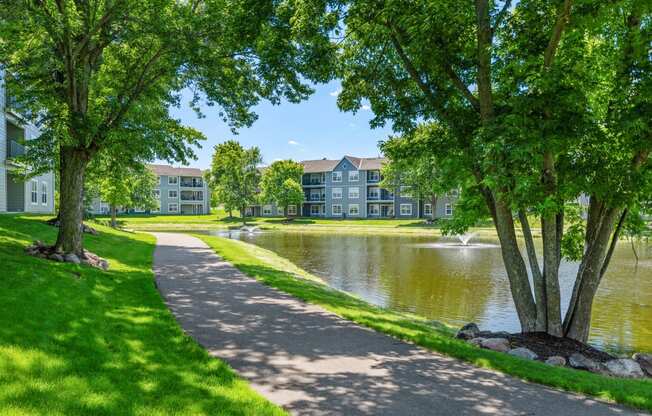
x=76, y=341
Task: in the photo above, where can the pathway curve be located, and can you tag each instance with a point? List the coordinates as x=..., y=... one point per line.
x=312, y=362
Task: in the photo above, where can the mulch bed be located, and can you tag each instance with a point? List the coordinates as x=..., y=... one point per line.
x=545, y=345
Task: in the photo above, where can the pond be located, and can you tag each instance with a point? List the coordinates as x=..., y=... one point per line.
x=442, y=280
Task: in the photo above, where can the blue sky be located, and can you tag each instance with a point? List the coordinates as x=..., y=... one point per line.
x=312, y=129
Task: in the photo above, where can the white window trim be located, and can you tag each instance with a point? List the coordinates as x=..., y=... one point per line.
x=312, y=209
x=375, y=206
x=44, y=193
x=176, y=180
x=427, y=209
x=357, y=172
x=403, y=206
x=33, y=190
x=357, y=196
x=267, y=210
x=357, y=206
x=448, y=210
x=173, y=210
x=292, y=210
x=333, y=193
x=373, y=175
x=339, y=173
x=373, y=191
x=333, y=209
x=173, y=197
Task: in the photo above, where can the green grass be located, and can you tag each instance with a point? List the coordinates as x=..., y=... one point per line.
x=277, y=272
x=77, y=341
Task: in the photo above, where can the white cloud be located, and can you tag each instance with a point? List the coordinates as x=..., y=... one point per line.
x=293, y=143
x=336, y=92
x=365, y=107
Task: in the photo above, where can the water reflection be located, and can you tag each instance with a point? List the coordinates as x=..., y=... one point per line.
x=456, y=284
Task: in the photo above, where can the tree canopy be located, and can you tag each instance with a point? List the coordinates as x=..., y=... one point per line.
x=281, y=184
x=102, y=75
x=234, y=175
x=541, y=102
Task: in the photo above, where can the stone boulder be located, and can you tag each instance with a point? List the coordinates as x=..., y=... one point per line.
x=468, y=331
x=581, y=362
x=523, y=353
x=556, y=361
x=72, y=258
x=476, y=341
x=645, y=361
x=56, y=257
x=496, y=344
x=625, y=368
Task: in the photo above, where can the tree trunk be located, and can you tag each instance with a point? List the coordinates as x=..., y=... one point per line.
x=230, y=213
x=516, y=269
x=114, y=215
x=551, y=274
x=537, y=276
x=73, y=164
x=577, y=322
x=243, y=214
x=433, y=208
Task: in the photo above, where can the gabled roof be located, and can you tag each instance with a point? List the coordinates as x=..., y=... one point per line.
x=166, y=170
x=372, y=163
x=320, y=165
x=327, y=165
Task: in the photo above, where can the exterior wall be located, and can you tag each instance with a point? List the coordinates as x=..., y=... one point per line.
x=344, y=167
x=3, y=147
x=47, y=180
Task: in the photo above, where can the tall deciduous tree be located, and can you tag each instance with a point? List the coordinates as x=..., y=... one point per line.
x=234, y=176
x=281, y=184
x=99, y=75
x=542, y=101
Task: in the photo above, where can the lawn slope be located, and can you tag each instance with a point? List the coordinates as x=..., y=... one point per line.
x=278, y=272
x=77, y=341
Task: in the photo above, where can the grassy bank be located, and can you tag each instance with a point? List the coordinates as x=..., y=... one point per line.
x=220, y=221
x=277, y=272
x=78, y=341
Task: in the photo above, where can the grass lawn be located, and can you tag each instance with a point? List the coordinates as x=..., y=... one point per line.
x=77, y=341
x=219, y=220
x=278, y=272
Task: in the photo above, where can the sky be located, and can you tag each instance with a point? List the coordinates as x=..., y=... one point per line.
x=312, y=129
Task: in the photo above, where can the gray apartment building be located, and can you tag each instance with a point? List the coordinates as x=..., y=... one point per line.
x=18, y=193
x=350, y=188
x=180, y=191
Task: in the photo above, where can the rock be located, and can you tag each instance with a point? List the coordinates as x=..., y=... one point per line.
x=476, y=341
x=645, y=361
x=468, y=331
x=523, y=353
x=625, y=368
x=496, y=344
x=56, y=257
x=72, y=258
x=556, y=361
x=104, y=264
x=581, y=362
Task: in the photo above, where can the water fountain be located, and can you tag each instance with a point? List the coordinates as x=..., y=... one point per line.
x=250, y=229
x=465, y=238
x=463, y=243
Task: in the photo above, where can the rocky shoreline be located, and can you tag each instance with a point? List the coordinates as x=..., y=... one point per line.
x=558, y=352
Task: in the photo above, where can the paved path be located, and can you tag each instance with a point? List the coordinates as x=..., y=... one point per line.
x=313, y=363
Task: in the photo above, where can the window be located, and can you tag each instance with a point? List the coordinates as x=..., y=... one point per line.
x=314, y=210
x=172, y=194
x=354, y=176
x=173, y=180
x=337, y=209
x=315, y=179
x=354, y=209
x=448, y=209
x=354, y=192
x=336, y=193
x=406, y=209
x=374, y=193
x=173, y=207
x=427, y=209
x=44, y=193
x=374, y=209
x=405, y=192
x=373, y=176
x=337, y=176
x=279, y=211
x=34, y=189
x=292, y=210
x=267, y=210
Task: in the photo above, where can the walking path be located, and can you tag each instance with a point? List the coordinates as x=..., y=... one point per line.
x=312, y=362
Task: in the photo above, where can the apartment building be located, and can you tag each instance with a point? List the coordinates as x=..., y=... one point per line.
x=180, y=191
x=350, y=188
x=18, y=193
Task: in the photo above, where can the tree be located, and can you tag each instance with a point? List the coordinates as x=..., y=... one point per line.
x=122, y=185
x=102, y=75
x=281, y=184
x=542, y=101
x=234, y=175
x=419, y=172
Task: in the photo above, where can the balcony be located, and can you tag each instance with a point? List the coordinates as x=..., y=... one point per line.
x=191, y=183
x=315, y=198
x=192, y=196
x=383, y=196
x=313, y=180
x=373, y=178
x=14, y=149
